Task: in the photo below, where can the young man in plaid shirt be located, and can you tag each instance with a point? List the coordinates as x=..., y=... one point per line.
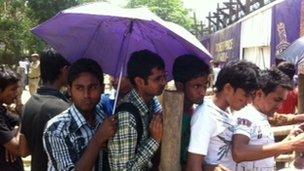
x=146, y=71
x=74, y=138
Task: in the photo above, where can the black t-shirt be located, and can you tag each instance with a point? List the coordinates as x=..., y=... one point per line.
x=38, y=110
x=7, y=124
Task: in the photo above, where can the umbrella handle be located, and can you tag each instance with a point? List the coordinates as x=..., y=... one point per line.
x=122, y=53
x=117, y=91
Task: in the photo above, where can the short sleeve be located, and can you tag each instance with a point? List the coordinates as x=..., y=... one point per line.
x=243, y=126
x=203, y=126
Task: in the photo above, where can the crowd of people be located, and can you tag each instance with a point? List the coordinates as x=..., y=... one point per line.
x=79, y=130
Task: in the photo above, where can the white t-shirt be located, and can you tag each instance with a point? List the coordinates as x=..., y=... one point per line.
x=254, y=125
x=211, y=134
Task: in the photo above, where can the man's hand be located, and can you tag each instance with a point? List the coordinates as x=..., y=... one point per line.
x=106, y=131
x=156, y=128
x=298, y=142
x=293, y=133
x=9, y=157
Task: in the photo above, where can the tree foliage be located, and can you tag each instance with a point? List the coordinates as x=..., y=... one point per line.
x=15, y=36
x=45, y=9
x=17, y=18
x=169, y=10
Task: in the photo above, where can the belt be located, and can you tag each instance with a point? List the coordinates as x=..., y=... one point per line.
x=33, y=77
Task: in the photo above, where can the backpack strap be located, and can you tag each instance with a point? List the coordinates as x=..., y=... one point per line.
x=129, y=107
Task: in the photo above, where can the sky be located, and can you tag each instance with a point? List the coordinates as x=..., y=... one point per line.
x=200, y=7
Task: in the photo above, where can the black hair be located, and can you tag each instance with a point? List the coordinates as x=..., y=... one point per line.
x=141, y=64
x=287, y=68
x=188, y=67
x=85, y=65
x=7, y=77
x=269, y=80
x=239, y=74
x=51, y=64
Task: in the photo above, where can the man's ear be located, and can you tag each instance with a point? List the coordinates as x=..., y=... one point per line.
x=65, y=69
x=259, y=93
x=139, y=82
x=179, y=86
x=69, y=90
x=228, y=89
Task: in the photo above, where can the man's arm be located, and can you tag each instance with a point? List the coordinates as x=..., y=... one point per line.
x=122, y=154
x=242, y=151
x=286, y=119
x=195, y=162
x=18, y=145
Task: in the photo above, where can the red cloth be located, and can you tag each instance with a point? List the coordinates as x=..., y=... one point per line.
x=290, y=104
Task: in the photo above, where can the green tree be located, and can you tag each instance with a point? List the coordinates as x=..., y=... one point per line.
x=169, y=10
x=43, y=10
x=18, y=17
x=15, y=36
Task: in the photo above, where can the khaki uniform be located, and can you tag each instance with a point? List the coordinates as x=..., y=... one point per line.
x=34, y=76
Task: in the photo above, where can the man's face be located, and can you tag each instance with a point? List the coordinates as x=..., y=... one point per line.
x=270, y=103
x=195, y=89
x=9, y=94
x=85, y=92
x=238, y=98
x=34, y=58
x=156, y=82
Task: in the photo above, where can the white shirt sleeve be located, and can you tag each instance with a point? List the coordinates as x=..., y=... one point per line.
x=203, y=126
x=243, y=126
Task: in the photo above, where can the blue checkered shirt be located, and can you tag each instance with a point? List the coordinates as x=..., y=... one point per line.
x=66, y=137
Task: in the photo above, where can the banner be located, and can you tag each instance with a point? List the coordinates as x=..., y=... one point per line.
x=285, y=26
x=225, y=44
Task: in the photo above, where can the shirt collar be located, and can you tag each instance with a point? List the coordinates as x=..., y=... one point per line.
x=52, y=91
x=81, y=121
x=259, y=114
x=138, y=101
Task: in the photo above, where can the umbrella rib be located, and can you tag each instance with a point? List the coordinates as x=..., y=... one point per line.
x=141, y=32
x=120, y=53
x=91, y=39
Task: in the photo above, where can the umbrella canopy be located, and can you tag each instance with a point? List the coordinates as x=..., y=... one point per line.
x=109, y=35
x=294, y=53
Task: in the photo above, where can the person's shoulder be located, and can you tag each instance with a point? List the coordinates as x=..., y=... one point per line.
x=45, y=104
x=248, y=113
x=59, y=124
x=125, y=114
x=203, y=112
x=55, y=103
x=207, y=108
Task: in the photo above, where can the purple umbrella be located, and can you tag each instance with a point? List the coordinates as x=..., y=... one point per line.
x=109, y=35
